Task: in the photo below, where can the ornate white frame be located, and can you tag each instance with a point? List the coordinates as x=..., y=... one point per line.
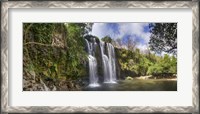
x=99, y=4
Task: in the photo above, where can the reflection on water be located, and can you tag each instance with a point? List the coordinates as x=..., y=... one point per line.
x=137, y=85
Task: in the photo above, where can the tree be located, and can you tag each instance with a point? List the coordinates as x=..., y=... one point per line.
x=118, y=43
x=88, y=28
x=131, y=44
x=173, y=68
x=163, y=37
x=107, y=39
x=75, y=54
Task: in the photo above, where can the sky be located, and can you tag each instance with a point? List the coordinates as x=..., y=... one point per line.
x=138, y=32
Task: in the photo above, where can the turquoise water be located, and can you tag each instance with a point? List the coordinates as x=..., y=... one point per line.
x=137, y=85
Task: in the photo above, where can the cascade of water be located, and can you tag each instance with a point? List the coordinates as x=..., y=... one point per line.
x=112, y=67
x=108, y=63
x=88, y=47
x=105, y=62
x=92, y=64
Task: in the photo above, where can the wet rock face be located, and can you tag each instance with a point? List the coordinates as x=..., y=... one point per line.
x=70, y=85
x=58, y=40
x=31, y=82
x=99, y=62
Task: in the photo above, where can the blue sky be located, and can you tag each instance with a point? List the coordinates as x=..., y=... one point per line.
x=138, y=32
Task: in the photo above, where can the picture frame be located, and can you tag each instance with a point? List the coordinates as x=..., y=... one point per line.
x=6, y=5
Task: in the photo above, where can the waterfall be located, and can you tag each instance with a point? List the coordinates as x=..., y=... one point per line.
x=112, y=66
x=92, y=64
x=105, y=62
x=108, y=63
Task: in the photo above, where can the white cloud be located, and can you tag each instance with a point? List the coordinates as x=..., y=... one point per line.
x=101, y=30
x=142, y=47
x=133, y=29
x=98, y=29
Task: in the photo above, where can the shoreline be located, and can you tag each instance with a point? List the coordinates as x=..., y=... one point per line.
x=155, y=78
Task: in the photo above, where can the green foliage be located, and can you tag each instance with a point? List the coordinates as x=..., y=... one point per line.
x=155, y=69
x=146, y=64
x=38, y=32
x=76, y=56
x=173, y=63
x=107, y=39
x=167, y=65
x=54, y=61
x=129, y=78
